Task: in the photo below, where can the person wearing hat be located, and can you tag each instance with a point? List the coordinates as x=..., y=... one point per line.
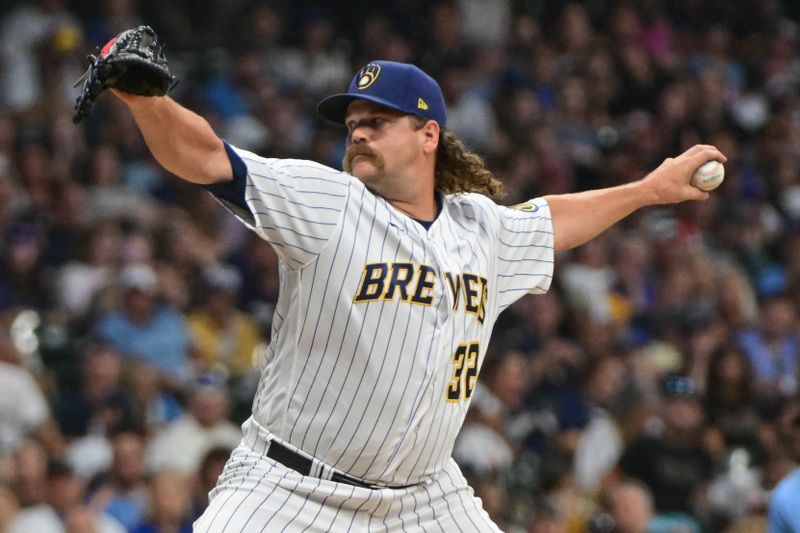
x=673, y=462
x=144, y=329
x=393, y=272
x=223, y=337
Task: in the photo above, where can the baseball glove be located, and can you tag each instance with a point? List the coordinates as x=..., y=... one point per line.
x=132, y=62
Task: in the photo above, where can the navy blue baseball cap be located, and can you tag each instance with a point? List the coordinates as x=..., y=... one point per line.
x=399, y=86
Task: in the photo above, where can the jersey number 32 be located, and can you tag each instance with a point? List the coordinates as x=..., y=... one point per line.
x=465, y=375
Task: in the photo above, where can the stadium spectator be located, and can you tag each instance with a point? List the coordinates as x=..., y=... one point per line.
x=154, y=401
x=774, y=351
x=224, y=338
x=600, y=443
x=729, y=401
x=182, y=444
x=26, y=32
x=548, y=519
x=785, y=500
x=62, y=510
x=169, y=505
x=122, y=491
x=24, y=411
x=100, y=405
x=630, y=506
x=28, y=476
x=144, y=329
x=674, y=465
x=557, y=97
x=79, y=281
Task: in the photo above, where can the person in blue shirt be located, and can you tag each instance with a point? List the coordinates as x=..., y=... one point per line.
x=146, y=330
x=784, y=505
x=170, y=500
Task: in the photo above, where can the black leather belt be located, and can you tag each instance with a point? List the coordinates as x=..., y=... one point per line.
x=297, y=462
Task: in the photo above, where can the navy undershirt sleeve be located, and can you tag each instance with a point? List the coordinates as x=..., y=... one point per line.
x=231, y=193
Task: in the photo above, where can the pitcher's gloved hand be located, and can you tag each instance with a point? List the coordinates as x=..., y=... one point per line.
x=132, y=62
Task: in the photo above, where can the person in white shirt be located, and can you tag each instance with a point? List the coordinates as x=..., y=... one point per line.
x=182, y=444
x=23, y=408
x=62, y=511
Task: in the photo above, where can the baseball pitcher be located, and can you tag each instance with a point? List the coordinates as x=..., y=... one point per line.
x=392, y=275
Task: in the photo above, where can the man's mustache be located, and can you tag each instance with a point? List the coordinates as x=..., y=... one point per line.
x=357, y=150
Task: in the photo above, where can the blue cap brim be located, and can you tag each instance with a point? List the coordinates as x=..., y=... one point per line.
x=334, y=107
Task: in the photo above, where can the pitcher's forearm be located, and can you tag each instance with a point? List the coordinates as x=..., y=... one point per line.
x=580, y=217
x=180, y=140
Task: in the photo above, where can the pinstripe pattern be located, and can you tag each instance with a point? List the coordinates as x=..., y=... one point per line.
x=363, y=387
x=256, y=494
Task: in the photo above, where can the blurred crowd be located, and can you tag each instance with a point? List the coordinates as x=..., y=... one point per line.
x=653, y=389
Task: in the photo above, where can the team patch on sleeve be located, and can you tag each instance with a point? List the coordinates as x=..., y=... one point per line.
x=526, y=206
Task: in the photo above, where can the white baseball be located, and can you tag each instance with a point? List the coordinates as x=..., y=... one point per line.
x=709, y=176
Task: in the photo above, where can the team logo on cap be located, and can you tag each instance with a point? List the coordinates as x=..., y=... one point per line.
x=368, y=75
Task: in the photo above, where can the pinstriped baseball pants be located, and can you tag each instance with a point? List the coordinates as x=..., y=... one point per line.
x=255, y=493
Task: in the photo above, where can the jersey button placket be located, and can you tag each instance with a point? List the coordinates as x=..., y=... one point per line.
x=443, y=313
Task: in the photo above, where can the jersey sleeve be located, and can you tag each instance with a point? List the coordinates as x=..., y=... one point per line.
x=295, y=205
x=525, y=255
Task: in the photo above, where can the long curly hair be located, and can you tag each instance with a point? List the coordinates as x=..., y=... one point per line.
x=459, y=170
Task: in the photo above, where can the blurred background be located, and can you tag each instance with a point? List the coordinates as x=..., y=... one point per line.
x=648, y=391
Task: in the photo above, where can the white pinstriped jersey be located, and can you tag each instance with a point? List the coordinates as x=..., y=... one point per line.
x=381, y=325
